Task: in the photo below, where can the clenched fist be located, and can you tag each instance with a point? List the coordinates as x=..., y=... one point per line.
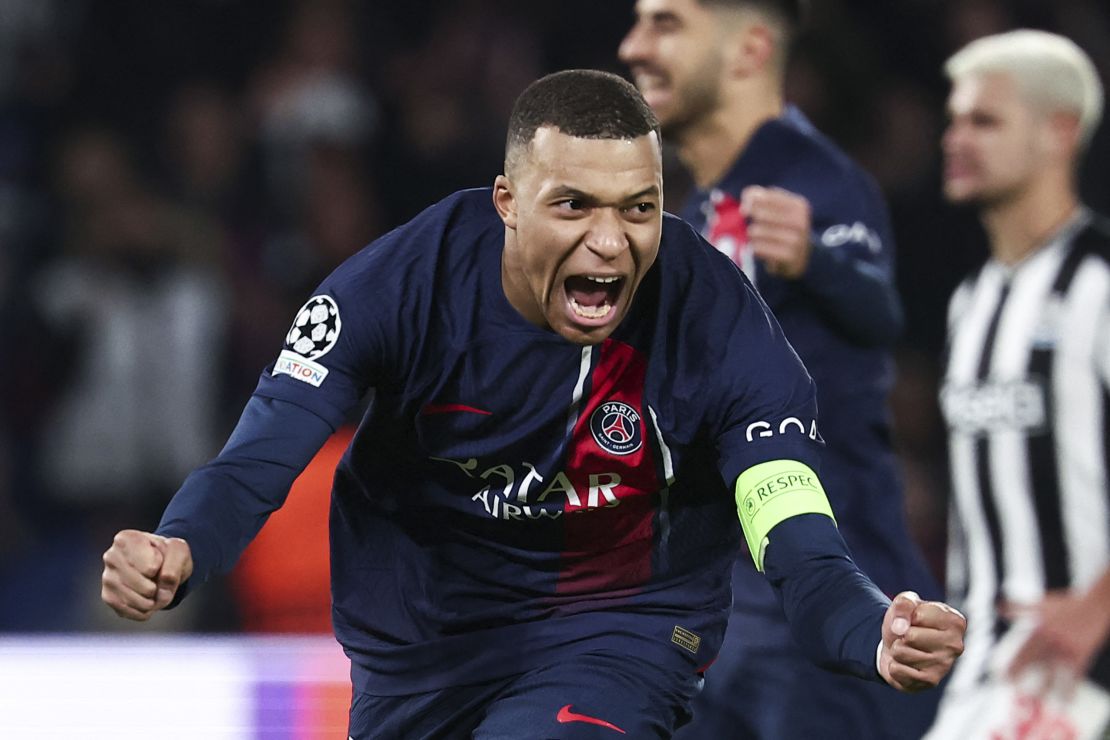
x=779, y=225
x=142, y=572
x=921, y=641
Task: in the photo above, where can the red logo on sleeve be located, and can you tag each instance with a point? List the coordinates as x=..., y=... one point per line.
x=565, y=715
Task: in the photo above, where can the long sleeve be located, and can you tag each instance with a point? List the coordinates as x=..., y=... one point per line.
x=858, y=296
x=222, y=505
x=834, y=610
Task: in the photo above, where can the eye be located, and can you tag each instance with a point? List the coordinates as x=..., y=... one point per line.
x=983, y=120
x=570, y=204
x=640, y=209
x=665, y=22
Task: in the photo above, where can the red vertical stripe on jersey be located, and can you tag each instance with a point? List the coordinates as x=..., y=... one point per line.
x=728, y=231
x=607, y=544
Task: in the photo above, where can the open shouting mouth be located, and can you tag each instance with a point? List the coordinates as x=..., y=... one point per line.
x=593, y=299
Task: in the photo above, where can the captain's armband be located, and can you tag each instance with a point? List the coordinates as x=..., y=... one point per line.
x=772, y=492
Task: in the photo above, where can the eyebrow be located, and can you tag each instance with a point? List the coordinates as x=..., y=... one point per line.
x=659, y=17
x=566, y=191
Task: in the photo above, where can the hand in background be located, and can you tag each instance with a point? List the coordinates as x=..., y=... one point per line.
x=1071, y=628
x=778, y=230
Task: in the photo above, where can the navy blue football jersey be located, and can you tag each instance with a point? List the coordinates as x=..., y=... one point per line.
x=511, y=498
x=842, y=316
x=510, y=494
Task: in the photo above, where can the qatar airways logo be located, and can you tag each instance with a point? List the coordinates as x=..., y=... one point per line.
x=522, y=493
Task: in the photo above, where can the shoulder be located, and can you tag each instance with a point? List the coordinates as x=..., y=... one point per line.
x=807, y=162
x=698, y=282
x=1086, y=270
x=981, y=278
x=685, y=254
x=961, y=297
x=810, y=153
x=1094, y=239
x=435, y=240
x=678, y=231
x=458, y=218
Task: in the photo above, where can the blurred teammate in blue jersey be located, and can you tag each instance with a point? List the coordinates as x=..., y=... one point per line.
x=810, y=230
x=531, y=531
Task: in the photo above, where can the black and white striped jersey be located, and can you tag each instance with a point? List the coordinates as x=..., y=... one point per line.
x=1026, y=401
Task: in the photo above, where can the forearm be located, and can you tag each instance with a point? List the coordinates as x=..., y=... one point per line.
x=858, y=298
x=834, y=610
x=1099, y=671
x=1098, y=599
x=1099, y=592
x=222, y=506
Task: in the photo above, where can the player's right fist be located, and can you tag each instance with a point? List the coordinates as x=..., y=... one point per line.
x=142, y=572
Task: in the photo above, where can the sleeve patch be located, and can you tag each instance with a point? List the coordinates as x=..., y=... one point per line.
x=858, y=233
x=313, y=334
x=316, y=328
x=298, y=368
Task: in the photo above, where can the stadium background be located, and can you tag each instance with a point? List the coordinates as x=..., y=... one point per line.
x=175, y=177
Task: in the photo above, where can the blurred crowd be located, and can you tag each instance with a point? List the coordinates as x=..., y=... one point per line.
x=176, y=177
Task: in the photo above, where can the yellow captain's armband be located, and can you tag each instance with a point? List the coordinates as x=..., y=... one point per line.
x=771, y=492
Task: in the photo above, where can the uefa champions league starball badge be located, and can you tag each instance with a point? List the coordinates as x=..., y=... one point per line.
x=316, y=328
x=313, y=334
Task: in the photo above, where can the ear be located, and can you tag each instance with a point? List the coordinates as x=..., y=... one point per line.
x=504, y=201
x=1063, y=134
x=750, y=50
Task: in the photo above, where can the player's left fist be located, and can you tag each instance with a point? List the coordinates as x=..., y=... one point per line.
x=921, y=641
x=778, y=229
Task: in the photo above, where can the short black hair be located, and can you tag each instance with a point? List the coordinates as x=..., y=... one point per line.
x=791, y=12
x=789, y=15
x=585, y=103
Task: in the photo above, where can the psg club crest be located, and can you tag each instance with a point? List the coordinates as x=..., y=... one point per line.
x=616, y=428
x=316, y=328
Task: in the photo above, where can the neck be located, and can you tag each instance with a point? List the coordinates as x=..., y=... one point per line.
x=709, y=146
x=515, y=285
x=1019, y=226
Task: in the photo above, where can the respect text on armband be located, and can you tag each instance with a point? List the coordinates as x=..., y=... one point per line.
x=772, y=492
x=776, y=485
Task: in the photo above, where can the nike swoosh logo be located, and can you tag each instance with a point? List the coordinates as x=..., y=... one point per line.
x=565, y=715
x=449, y=408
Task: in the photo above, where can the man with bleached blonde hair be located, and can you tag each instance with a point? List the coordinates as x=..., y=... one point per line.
x=1026, y=397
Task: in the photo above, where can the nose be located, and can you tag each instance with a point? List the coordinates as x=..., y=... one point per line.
x=606, y=236
x=951, y=138
x=633, y=47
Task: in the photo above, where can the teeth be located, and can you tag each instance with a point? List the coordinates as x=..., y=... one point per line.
x=603, y=280
x=591, y=312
